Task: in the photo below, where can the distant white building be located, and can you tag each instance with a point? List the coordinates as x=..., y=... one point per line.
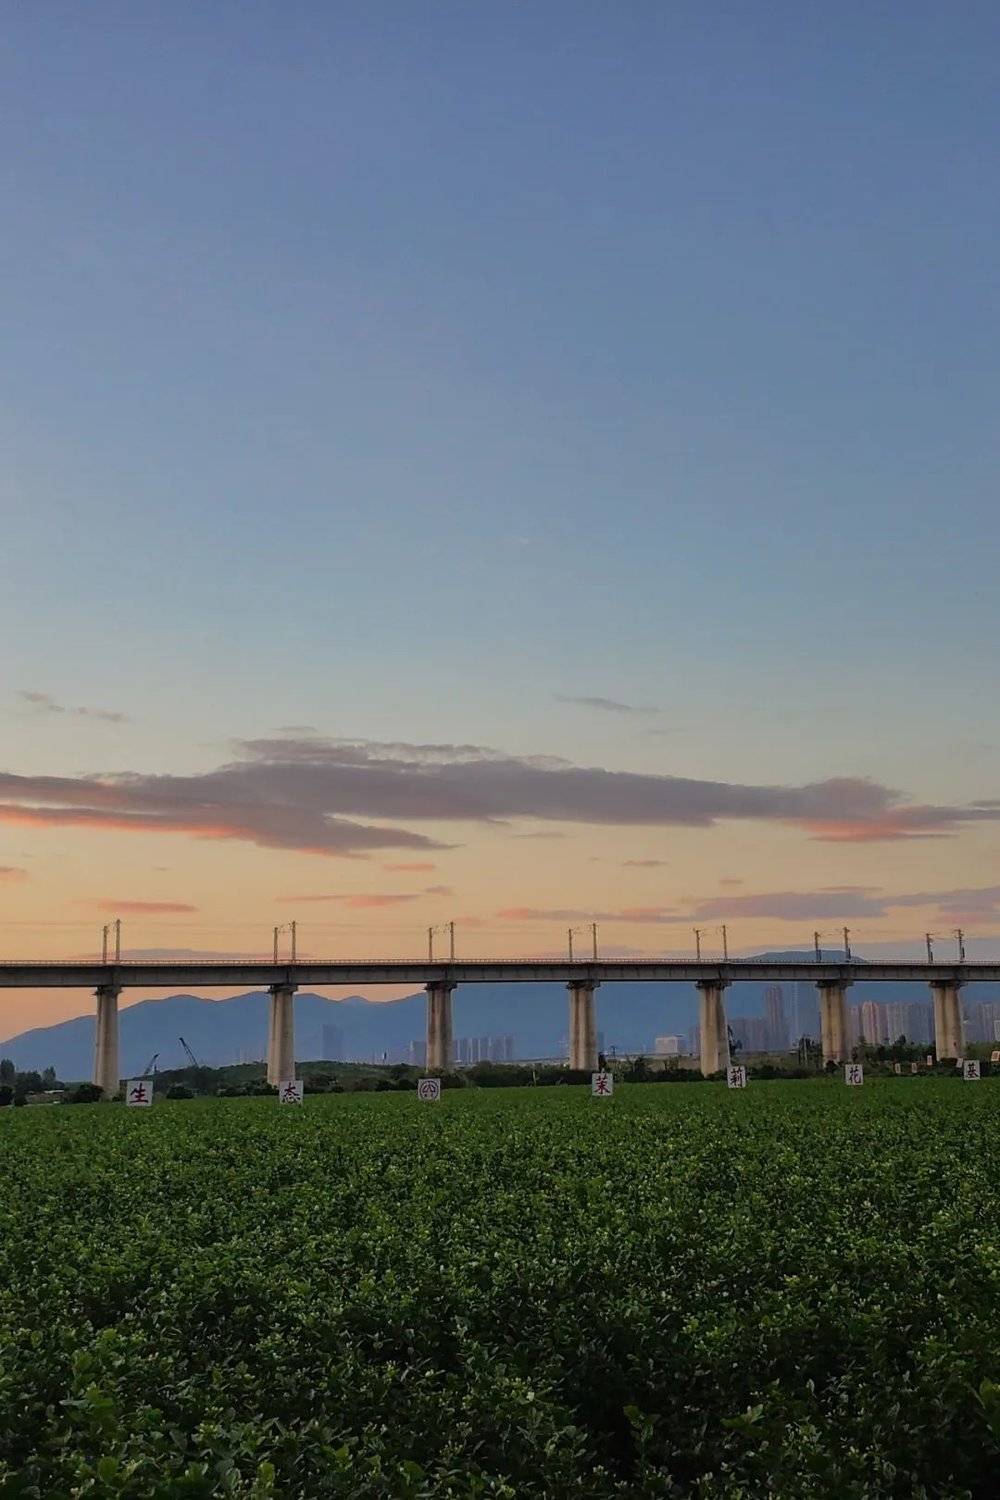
x=667, y=1046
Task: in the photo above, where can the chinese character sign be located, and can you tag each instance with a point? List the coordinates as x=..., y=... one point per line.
x=736, y=1077
x=429, y=1090
x=291, y=1091
x=854, y=1074
x=970, y=1070
x=139, y=1093
x=602, y=1085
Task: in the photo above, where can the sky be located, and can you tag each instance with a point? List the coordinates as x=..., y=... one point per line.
x=518, y=465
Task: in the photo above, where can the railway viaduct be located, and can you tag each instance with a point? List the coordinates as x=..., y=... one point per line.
x=440, y=980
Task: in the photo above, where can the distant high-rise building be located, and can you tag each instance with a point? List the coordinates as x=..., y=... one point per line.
x=751, y=1032
x=417, y=1053
x=774, y=1016
x=333, y=1043
x=667, y=1046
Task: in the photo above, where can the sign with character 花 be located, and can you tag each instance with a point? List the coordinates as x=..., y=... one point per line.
x=854, y=1074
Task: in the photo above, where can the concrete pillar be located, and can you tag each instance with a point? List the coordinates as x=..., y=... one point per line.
x=440, y=1048
x=713, y=1028
x=582, y=1025
x=948, y=1038
x=106, y=1074
x=281, y=1034
x=833, y=1019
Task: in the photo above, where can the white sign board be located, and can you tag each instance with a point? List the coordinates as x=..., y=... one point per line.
x=995, y=1056
x=602, y=1084
x=736, y=1076
x=930, y=1059
x=970, y=1070
x=854, y=1074
x=897, y=1067
x=138, y=1093
x=429, y=1089
x=291, y=1091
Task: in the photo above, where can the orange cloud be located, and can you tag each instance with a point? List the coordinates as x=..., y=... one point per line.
x=418, y=866
x=12, y=872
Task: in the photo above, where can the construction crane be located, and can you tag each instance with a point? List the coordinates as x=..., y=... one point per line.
x=190, y=1055
x=150, y=1066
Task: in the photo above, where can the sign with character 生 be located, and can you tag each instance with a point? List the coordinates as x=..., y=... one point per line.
x=138, y=1093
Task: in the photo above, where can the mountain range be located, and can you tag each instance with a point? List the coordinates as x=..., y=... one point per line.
x=226, y=1031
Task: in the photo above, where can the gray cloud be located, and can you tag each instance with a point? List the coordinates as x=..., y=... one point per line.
x=45, y=703
x=603, y=705
x=351, y=798
x=792, y=906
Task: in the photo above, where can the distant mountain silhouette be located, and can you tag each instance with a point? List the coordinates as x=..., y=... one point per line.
x=220, y=1031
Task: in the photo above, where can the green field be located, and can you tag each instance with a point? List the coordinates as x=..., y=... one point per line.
x=683, y=1291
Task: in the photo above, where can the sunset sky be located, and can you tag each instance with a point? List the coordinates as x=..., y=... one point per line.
x=502, y=463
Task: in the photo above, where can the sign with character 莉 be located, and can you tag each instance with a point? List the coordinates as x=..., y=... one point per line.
x=138, y=1093
x=602, y=1084
x=429, y=1090
x=736, y=1076
x=854, y=1074
x=291, y=1091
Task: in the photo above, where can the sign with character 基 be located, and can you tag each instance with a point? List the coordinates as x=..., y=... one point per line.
x=970, y=1070
x=138, y=1093
x=291, y=1091
x=429, y=1090
x=736, y=1076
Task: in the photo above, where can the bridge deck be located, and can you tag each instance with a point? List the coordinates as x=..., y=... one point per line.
x=321, y=973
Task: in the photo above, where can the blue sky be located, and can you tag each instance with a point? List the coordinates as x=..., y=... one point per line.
x=393, y=368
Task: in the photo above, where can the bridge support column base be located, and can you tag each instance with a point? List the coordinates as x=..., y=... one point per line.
x=106, y=1066
x=440, y=1046
x=281, y=1034
x=833, y=1019
x=582, y=1025
x=948, y=1039
x=713, y=1028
